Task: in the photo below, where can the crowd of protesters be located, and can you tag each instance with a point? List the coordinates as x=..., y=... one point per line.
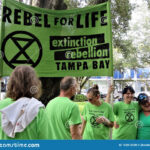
x=23, y=116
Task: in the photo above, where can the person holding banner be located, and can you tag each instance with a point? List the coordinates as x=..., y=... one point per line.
x=126, y=112
x=144, y=117
x=22, y=115
x=97, y=115
x=64, y=115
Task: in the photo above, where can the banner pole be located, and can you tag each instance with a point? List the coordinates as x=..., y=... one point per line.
x=111, y=98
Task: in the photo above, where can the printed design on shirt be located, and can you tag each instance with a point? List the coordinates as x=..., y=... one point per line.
x=94, y=114
x=93, y=121
x=129, y=115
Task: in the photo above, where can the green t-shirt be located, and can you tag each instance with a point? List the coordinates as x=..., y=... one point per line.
x=94, y=130
x=144, y=127
x=127, y=119
x=62, y=113
x=37, y=129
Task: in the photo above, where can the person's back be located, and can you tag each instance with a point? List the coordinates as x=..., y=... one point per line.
x=37, y=129
x=62, y=113
x=22, y=116
x=64, y=116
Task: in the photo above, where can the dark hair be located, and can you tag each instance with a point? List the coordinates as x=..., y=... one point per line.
x=66, y=83
x=128, y=88
x=95, y=86
x=23, y=82
x=94, y=90
x=142, y=98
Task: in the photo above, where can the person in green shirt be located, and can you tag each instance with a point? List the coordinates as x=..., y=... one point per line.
x=144, y=117
x=126, y=112
x=22, y=116
x=97, y=115
x=63, y=114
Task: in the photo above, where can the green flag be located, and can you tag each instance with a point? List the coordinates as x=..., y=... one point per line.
x=56, y=43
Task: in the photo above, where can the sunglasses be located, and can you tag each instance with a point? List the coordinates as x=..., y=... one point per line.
x=89, y=99
x=142, y=97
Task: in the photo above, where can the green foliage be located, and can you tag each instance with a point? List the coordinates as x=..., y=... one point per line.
x=125, y=56
x=121, y=14
x=80, y=98
x=72, y=3
x=81, y=106
x=148, y=3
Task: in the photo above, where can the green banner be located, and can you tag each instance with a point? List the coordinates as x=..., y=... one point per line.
x=56, y=43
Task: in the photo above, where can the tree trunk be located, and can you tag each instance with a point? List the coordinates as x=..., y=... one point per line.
x=50, y=89
x=50, y=4
x=100, y=1
x=31, y=1
x=50, y=86
x=81, y=82
x=20, y=1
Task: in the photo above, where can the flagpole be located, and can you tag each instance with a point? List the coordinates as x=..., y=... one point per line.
x=111, y=98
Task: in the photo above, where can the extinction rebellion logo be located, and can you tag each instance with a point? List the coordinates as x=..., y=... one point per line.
x=21, y=47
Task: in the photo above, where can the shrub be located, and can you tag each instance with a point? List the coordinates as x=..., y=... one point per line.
x=80, y=98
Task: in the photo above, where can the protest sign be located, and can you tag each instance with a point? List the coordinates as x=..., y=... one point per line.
x=56, y=43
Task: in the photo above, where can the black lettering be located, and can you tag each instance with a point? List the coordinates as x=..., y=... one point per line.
x=107, y=63
x=57, y=63
x=63, y=67
x=78, y=21
x=94, y=64
x=71, y=66
x=70, y=21
x=94, y=18
x=87, y=20
x=101, y=64
x=46, y=21
x=85, y=66
x=78, y=65
x=37, y=20
x=27, y=18
x=63, y=21
x=17, y=16
x=6, y=14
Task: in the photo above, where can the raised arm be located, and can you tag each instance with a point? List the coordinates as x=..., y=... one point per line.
x=110, y=90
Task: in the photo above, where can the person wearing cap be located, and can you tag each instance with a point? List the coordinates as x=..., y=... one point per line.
x=97, y=115
x=144, y=117
x=126, y=113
